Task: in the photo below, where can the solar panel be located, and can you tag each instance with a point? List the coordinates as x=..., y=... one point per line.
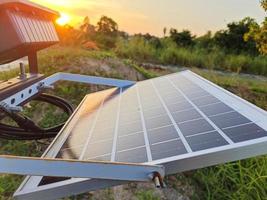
x=180, y=120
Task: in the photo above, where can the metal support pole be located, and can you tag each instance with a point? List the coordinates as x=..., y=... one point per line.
x=33, y=64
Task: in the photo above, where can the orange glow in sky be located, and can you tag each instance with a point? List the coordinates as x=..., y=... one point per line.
x=63, y=20
x=151, y=16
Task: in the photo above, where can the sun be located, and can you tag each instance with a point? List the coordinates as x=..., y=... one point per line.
x=63, y=20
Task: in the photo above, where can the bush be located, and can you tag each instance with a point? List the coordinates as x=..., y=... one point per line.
x=169, y=53
x=136, y=48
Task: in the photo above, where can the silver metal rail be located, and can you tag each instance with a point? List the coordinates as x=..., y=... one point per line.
x=48, y=82
x=79, y=169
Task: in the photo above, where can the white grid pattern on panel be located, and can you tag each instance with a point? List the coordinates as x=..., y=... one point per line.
x=148, y=150
x=202, y=114
x=115, y=138
x=91, y=130
x=181, y=136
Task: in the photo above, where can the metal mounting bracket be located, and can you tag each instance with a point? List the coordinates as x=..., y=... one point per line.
x=48, y=82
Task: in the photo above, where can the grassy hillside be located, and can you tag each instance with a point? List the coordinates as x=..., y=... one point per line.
x=237, y=180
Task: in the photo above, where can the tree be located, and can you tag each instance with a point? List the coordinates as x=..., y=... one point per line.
x=86, y=31
x=259, y=33
x=206, y=41
x=86, y=27
x=107, y=32
x=232, y=39
x=183, y=38
x=264, y=4
x=107, y=26
x=164, y=31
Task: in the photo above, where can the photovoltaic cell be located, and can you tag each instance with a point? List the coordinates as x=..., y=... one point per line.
x=167, y=149
x=245, y=132
x=229, y=120
x=206, y=141
x=215, y=109
x=162, y=134
x=137, y=155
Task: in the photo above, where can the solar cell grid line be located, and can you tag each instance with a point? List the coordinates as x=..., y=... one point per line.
x=148, y=150
x=229, y=127
x=246, y=108
x=203, y=115
x=74, y=141
x=101, y=139
x=91, y=130
x=221, y=113
x=72, y=121
x=202, y=133
x=114, y=147
x=181, y=136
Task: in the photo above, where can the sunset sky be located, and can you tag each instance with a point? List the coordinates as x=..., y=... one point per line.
x=135, y=16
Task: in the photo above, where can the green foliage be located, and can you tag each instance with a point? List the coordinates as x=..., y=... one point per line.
x=238, y=180
x=232, y=39
x=141, y=70
x=147, y=195
x=9, y=183
x=107, y=33
x=205, y=42
x=70, y=36
x=105, y=41
x=183, y=39
x=139, y=49
x=107, y=26
x=164, y=31
x=54, y=59
x=259, y=33
x=136, y=48
x=104, y=34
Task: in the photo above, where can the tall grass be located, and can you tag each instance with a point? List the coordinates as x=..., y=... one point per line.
x=138, y=48
x=246, y=179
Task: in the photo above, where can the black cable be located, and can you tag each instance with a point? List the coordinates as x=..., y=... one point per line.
x=27, y=129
